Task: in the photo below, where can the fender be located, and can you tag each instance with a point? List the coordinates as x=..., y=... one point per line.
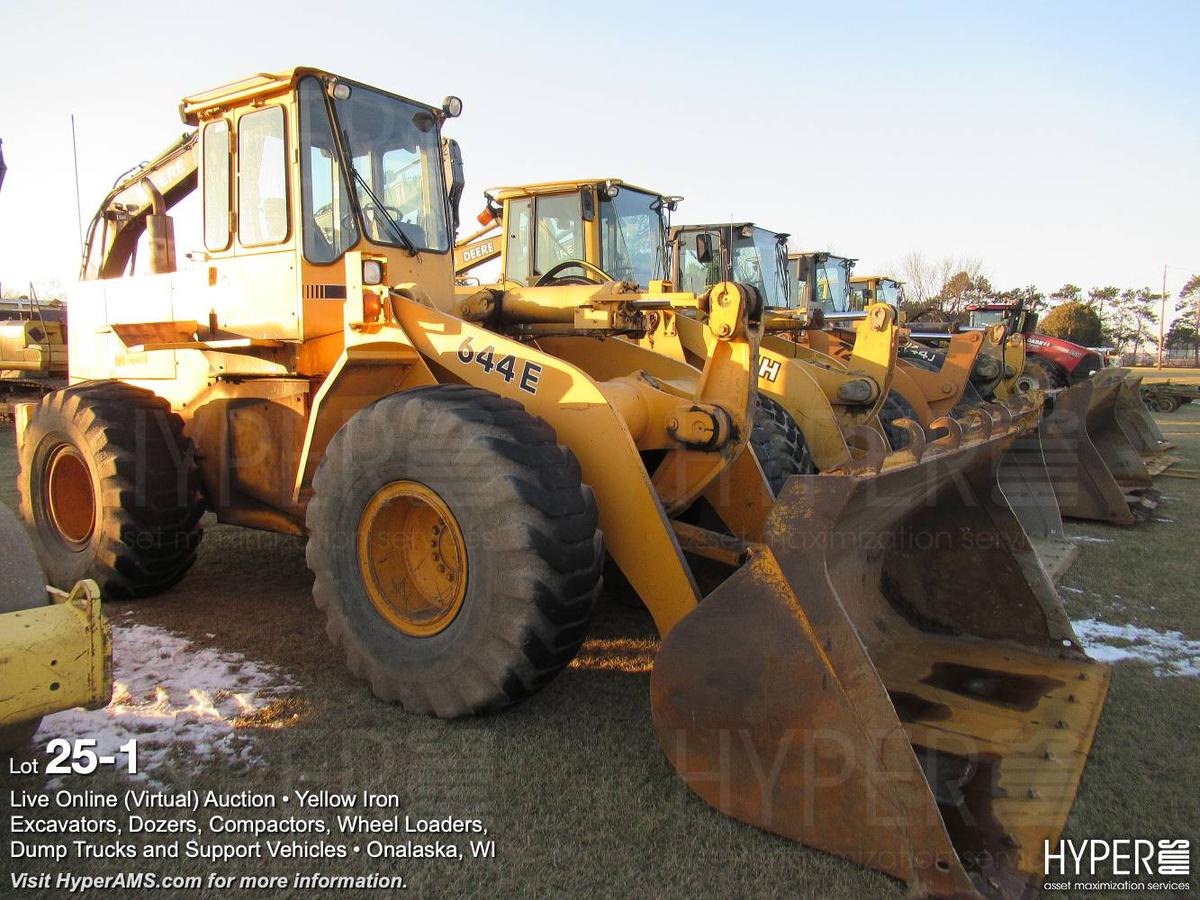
x=636, y=531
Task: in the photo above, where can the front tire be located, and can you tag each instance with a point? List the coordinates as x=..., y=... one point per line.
x=110, y=489
x=779, y=444
x=455, y=550
x=896, y=407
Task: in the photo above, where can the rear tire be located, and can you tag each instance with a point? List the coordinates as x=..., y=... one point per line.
x=1040, y=375
x=512, y=529
x=110, y=490
x=779, y=444
x=21, y=587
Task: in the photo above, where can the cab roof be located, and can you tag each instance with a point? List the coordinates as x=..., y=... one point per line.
x=827, y=253
x=507, y=192
x=262, y=84
x=716, y=226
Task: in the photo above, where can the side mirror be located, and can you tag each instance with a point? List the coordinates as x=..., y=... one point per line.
x=456, y=180
x=587, y=204
x=704, y=247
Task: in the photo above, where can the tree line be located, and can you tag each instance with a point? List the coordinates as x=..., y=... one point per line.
x=1125, y=319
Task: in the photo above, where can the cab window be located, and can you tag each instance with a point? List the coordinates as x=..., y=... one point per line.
x=695, y=276
x=559, y=233
x=216, y=185
x=262, y=178
x=327, y=212
x=516, y=253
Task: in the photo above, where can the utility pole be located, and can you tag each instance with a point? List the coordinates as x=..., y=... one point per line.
x=78, y=206
x=1162, y=319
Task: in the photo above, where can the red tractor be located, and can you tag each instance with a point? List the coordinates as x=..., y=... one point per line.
x=1050, y=362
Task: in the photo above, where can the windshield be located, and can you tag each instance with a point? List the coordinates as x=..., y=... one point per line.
x=832, y=283
x=888, y=292
x=827, y=277
x=987, y=316
x=759, y=259
x=394, y=149
x=632, y=236
x=885, y=291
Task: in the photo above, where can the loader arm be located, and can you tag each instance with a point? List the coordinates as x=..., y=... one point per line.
x=481, y=247
x=119, y=222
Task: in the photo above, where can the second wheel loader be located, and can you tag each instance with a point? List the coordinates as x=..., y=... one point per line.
x=885, y=673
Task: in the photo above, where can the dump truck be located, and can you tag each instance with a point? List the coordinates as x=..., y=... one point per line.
x=460, y=468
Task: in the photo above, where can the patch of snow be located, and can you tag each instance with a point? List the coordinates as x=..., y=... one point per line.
x=1072, y=590
x=1162, y=519
x=1084, y=539
x=186, y=705
x=1169, y=651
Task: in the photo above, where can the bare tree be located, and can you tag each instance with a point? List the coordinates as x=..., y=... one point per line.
x=947, y=284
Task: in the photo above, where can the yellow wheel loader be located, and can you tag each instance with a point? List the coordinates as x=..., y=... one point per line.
x=459, y=466
x=970, y=371
x=582, y=230
x=813, y=408
x=55, y=649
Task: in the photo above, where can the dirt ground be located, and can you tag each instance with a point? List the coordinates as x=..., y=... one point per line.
x=572, y=784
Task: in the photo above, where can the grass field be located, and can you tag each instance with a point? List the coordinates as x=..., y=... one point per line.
x=572, y=784
x=1180, y=376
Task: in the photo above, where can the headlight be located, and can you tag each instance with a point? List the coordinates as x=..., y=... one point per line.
x=339, y=90
x=452, y=106
x=372, y=271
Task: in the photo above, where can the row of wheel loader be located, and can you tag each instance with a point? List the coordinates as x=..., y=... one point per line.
x=861, y=650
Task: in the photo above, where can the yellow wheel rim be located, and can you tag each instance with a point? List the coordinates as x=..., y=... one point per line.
x=70, y=498
x=412, y=558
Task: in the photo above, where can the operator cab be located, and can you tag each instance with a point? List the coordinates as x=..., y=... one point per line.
x=703, y=255
x=292, y=171
x=821, y=280
x=553, y=233
x=868, y=289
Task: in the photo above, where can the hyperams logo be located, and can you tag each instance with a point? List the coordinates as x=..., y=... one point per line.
x=1094, y=863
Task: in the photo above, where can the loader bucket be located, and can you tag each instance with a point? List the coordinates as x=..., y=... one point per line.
x=889, y=677
x=1024, y=481
x=1134, y=418
x=1096, y=472
x=1021, y=475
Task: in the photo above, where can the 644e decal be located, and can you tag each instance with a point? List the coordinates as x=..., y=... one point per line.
x=526, y=373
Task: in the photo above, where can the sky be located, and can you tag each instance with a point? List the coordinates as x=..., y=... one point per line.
x=1054, y=141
